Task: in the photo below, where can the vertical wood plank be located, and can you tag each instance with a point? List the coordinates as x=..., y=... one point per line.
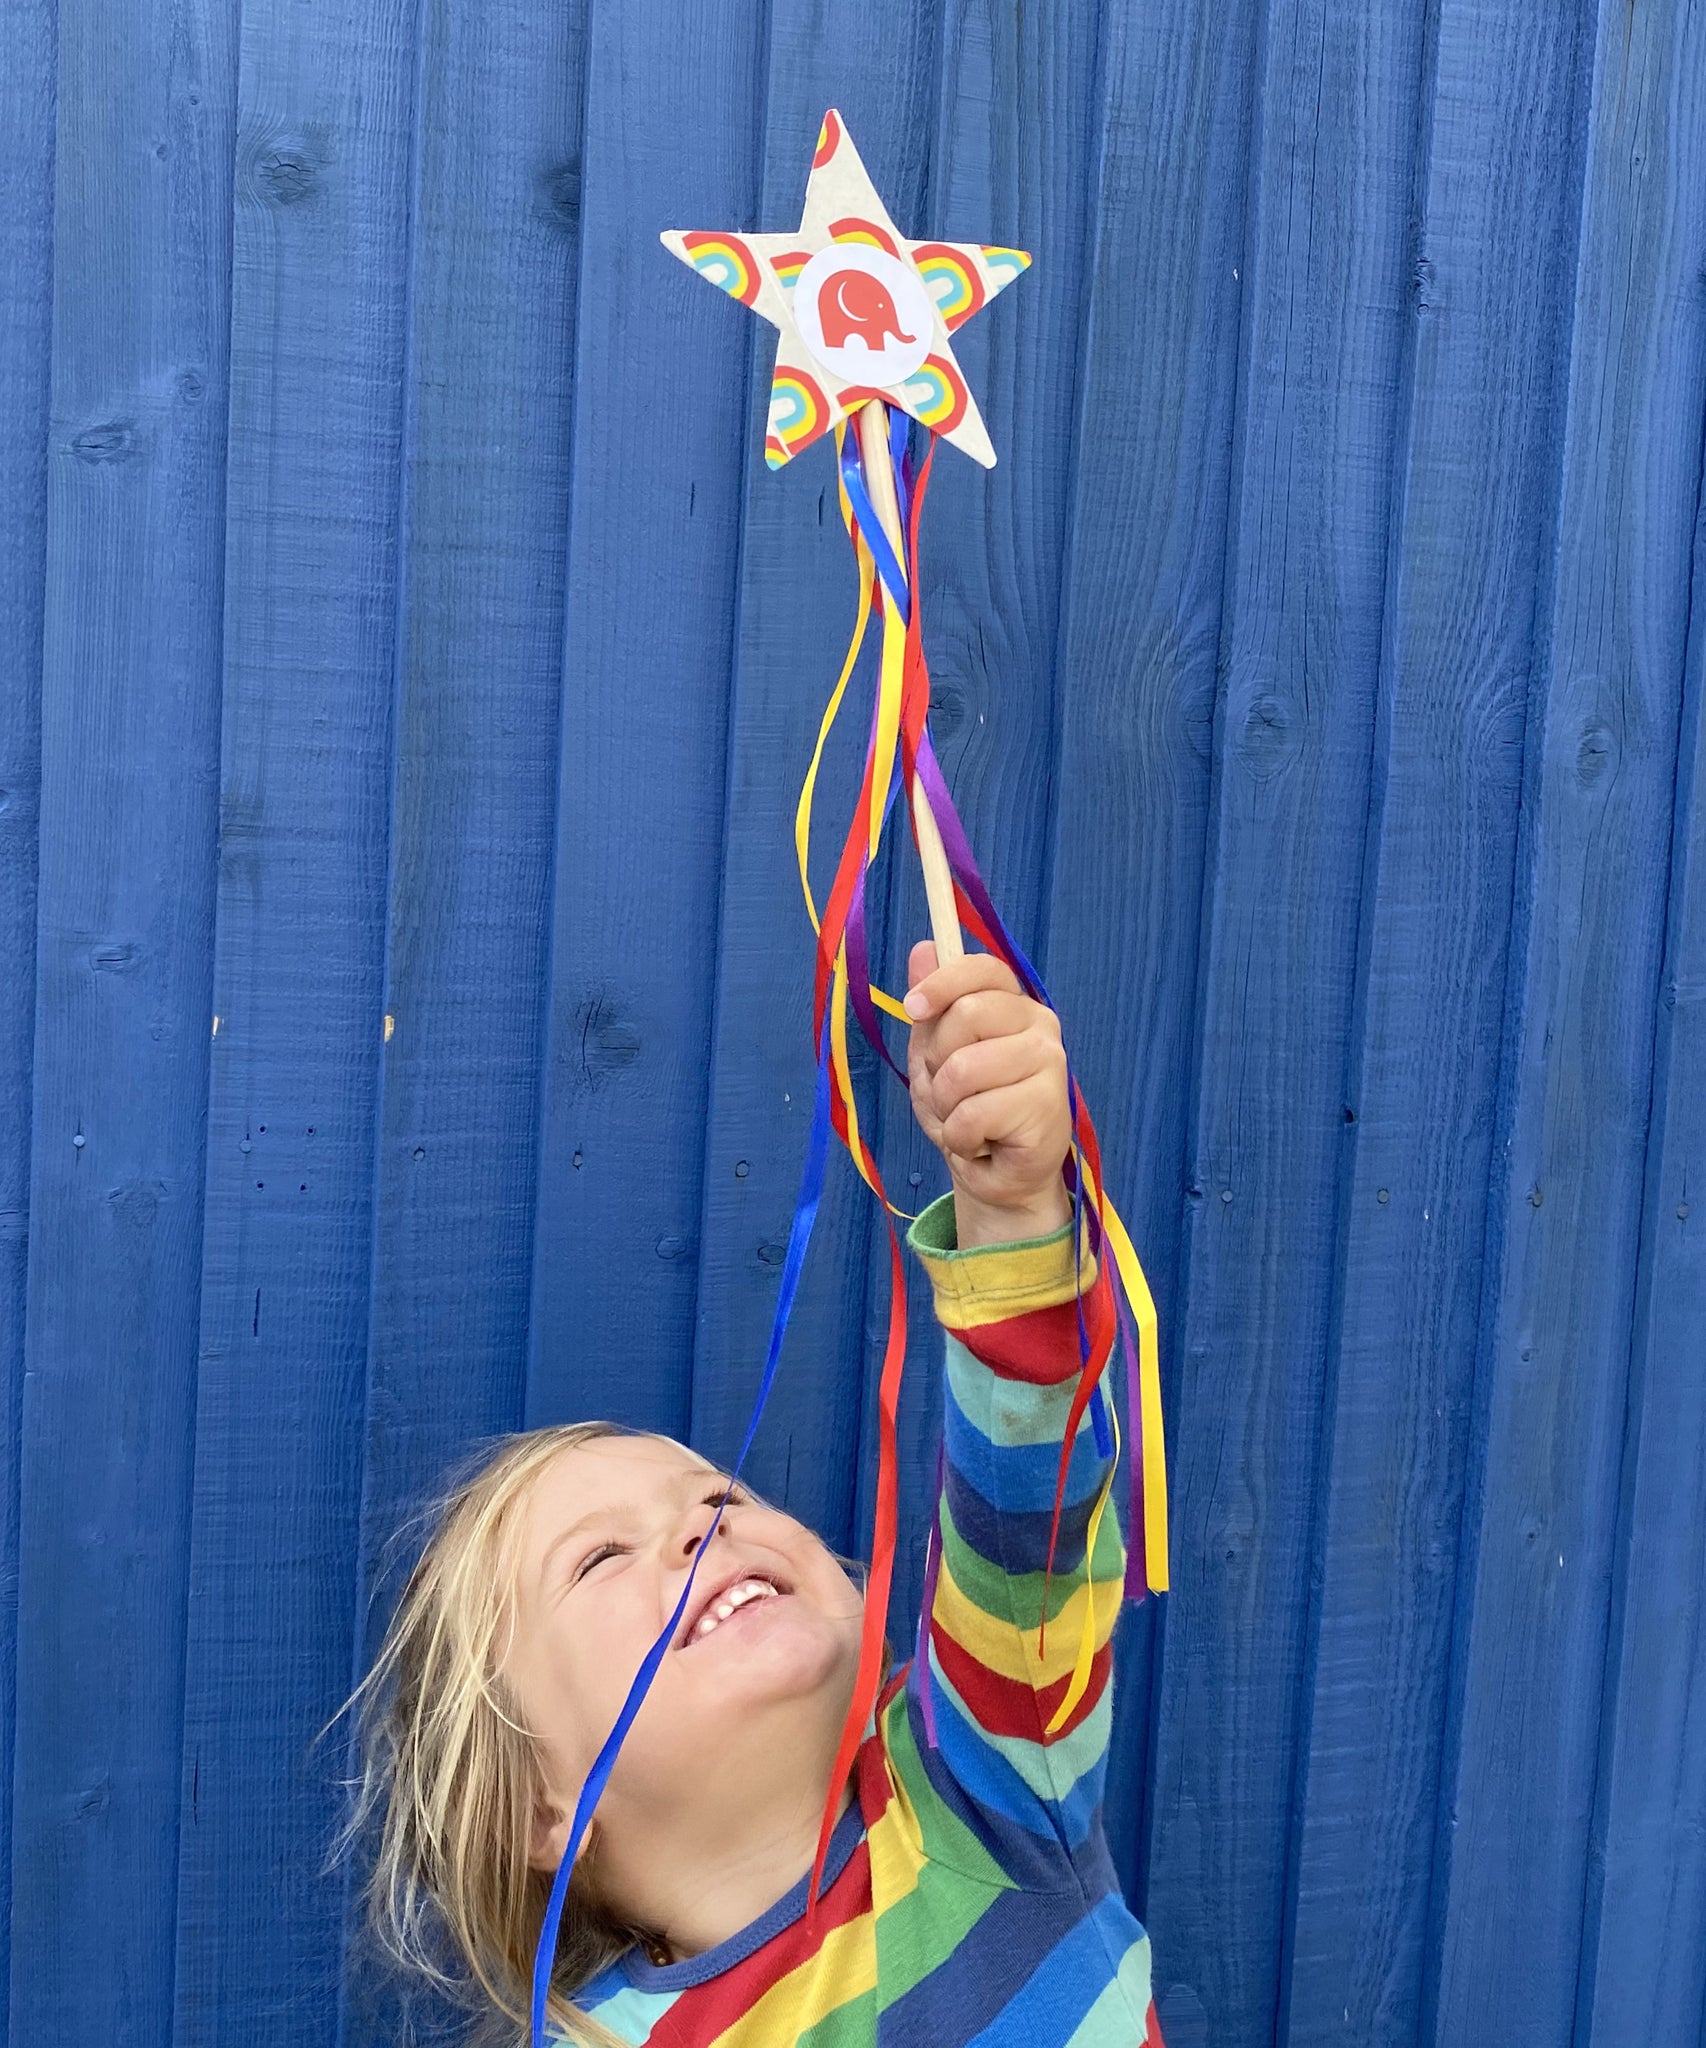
x=129, y=739
x=796, y=602
x=27, y=92
x=1140, y=637
x=1330, y=196
x=1644, y=1948
x=317, y=373
x=1475, y=475
x=654, y=540
x=1533, y=1594
x=485, y=519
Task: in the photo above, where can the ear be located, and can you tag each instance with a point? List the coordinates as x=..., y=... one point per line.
x=549, y=1835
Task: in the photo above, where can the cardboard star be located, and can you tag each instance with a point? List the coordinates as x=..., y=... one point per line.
x=860, y=312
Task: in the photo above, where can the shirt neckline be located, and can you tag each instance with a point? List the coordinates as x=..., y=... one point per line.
x=645, y=1975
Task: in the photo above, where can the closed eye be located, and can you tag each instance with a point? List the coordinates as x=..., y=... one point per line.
x=722, y=1496
x=596, y=1557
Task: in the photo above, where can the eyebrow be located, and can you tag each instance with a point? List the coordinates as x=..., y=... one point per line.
x=698, y=1474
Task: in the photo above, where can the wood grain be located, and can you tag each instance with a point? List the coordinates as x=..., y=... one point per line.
x=1324, y=280
x=1140, y=632
x=129, y=773
x=1577, y=1089
x=1644, y=1944
x=318, y=321
x=654, y=547
x=26, y=333
x=495, y=242
x=1488, y=293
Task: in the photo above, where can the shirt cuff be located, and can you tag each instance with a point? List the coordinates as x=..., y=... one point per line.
x=987, y=1283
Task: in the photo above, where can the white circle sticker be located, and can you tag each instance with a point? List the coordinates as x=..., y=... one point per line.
x=864, y=314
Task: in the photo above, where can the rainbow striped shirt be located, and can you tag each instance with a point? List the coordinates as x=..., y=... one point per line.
x=969, y=1900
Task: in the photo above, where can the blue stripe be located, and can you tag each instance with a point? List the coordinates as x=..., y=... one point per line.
x=1016, y=1543
x=629, y=2014
x=990, y=1965
x=987, y=1777
x=1020, y=1478
x=1067, y=1983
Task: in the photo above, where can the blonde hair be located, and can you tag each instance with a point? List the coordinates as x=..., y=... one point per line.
x=450, y=1781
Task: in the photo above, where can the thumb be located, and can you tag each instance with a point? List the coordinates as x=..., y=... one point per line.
x=921, y=962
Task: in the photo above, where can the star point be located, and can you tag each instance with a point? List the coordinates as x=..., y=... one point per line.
x=860, y=312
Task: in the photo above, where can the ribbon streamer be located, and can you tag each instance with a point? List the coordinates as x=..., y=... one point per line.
x=900, y=723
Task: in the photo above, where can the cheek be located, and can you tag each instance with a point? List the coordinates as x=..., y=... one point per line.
x=581, y=1661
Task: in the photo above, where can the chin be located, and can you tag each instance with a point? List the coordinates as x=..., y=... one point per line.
x=783, y=1655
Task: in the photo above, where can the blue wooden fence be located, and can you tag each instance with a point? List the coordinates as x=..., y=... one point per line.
x=407, y=673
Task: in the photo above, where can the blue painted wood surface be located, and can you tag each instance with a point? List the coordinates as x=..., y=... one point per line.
x=407, y=661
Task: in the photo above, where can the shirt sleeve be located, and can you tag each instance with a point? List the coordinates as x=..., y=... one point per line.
x=1006, y=1636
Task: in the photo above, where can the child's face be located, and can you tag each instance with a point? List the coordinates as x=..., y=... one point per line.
x=764, y=1656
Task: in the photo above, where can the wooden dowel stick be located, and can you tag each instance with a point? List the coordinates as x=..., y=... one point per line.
x=932, y=855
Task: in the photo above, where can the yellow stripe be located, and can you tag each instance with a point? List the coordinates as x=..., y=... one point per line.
x=1013, y=1652
x=897, y=1853
x=991, y=1283
x=843, y=1969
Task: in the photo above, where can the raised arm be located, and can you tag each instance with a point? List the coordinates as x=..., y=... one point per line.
x=1018, y=1656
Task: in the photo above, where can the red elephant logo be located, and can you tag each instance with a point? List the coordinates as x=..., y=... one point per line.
x=855, y=302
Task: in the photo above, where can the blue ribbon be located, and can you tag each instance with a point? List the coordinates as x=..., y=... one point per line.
x=864, y=512
x=799, y=1237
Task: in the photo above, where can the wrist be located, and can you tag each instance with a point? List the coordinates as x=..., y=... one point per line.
x=978, y=1223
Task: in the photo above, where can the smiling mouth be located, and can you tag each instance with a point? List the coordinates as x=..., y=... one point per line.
x=720, y=1608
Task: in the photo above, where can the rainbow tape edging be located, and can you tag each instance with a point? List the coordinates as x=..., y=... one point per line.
x=853, y=229
x=725, y=261
x=828, y=139
x=952, y=282
x=1004, y=265
x=936, y=394
x=799, y=412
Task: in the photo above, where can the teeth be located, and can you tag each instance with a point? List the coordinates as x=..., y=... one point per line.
x=733, y=1597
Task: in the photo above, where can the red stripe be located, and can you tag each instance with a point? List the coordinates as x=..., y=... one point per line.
x=1040, y=1347
x=1008, y=1706
x=876, y=1787
x=704, y=2011
x=1152, y=2030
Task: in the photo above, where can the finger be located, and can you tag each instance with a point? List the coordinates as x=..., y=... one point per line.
x=931, y=995
x=984, y=1014
x=921, y=962
x=995, y=1063
x=1025, y=1115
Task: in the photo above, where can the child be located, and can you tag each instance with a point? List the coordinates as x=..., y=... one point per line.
x=968, y=1896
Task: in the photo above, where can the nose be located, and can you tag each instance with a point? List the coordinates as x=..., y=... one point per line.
x=693, y=1528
